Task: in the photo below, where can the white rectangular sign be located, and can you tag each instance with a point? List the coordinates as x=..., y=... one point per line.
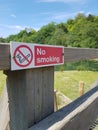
x=27, y=55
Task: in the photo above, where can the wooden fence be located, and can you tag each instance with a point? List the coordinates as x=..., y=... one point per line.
x=31, y=96
x=70, y=55
x=78, y=115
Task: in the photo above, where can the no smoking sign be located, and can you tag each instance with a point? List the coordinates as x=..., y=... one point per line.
x=21, y=56
x=25, y=56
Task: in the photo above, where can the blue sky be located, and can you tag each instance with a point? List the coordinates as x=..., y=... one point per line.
x=16, y=15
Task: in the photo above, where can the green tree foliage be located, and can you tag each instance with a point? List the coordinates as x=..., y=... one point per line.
x=26, y=35
x=2, y=40
x=58, y=38
x=82, y=31
x=59, y=35
x=45, y=33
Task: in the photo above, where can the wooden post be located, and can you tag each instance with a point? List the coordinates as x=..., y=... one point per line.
x=4, y=110
x=81, y=88
x=31, y=96
x=55, y=101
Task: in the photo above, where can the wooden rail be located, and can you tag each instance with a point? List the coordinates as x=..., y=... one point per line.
x=78, y=115
x=4, y=56
x=70, y=55
x=78, y=54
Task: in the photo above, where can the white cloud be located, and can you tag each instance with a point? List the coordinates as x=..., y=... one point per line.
x=63, y=16
x=11, y=29
x=16, y=27
x=13, y=15
x=6, y=30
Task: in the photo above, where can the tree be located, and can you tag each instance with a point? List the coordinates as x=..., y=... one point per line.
x=45, y=33
x=2, y=40
x=58, y=38
x=90, y=17
x=84, y=33
x=23, y=36
x=69, y=24
x=63, y=27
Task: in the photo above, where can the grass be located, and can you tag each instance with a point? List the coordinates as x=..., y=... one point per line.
x=68, y=81
x=2, y=81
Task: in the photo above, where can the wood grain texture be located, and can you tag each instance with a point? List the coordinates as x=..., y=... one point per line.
x=4, y=56
x=31, y=96
x=4, y=110
x=16, y=85
x=40, y=93
x=70, y=55
x=78, y=115
x=78, y=54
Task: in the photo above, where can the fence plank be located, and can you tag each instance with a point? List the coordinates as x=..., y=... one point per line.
x=40, y=89
x=70, y=55
x=4, y=56
x=4, y=110
x=16, y=86
x=78, y=54
x=78, y=115
x=31, y=96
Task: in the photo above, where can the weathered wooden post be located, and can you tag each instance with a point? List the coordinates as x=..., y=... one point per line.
x=81, y=88
x=30, y=83
x=4, y=110
x=30, y=96
x=55, y=101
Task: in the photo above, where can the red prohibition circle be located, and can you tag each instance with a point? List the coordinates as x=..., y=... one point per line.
x=18, y=50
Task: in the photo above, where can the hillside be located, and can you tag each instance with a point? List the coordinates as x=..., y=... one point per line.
x=82, y=31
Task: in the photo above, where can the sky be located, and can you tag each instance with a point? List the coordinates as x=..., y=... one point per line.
x=16, y=15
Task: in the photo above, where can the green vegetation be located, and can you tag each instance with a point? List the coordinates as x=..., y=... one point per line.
x=68, y=81
x=2, y=81
x=82, y=31
x=87, y=65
